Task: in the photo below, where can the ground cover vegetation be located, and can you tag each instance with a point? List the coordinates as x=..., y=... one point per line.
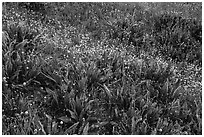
x=101, y=68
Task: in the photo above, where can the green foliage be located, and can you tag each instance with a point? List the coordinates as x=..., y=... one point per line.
x=179, y=38
x=101, y=69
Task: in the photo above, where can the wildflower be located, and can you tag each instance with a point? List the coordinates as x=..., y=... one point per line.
x=26, y=112
x=160, y=130
x=4, y=79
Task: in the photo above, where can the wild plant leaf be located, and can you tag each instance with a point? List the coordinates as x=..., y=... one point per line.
x=49, y=124
x=65, y=119
x=86, y=129
x=73, y=115
x=16, y=74
x=21, y=45
x=78, y=106
x=54, y=128
x=88, y=105
x=175, y=85
x=47, y=77
x=133, y=125
x=108, y=92
x=53, y=93
x=5, y=41
x=144, y=128
x=11, y=47
x=83, y=124
x=39, y=124
x=82, y=84
x=176, y=102
x=116, y=112
x=147, y=96
x=35, y=121
x=67, y=100
x=113, y=123
x=9, y=67
x=72, y=129
x=177, y=92
x=72, y=101
x=165, y=88
x=175, y=106
x=5, y=35
x=185, y=106
x=56, y=78
x=199, y=119
x=101, y=124
x=121, y=91
x=159, y=123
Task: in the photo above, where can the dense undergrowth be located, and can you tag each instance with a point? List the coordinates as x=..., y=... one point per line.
x=101, y=68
